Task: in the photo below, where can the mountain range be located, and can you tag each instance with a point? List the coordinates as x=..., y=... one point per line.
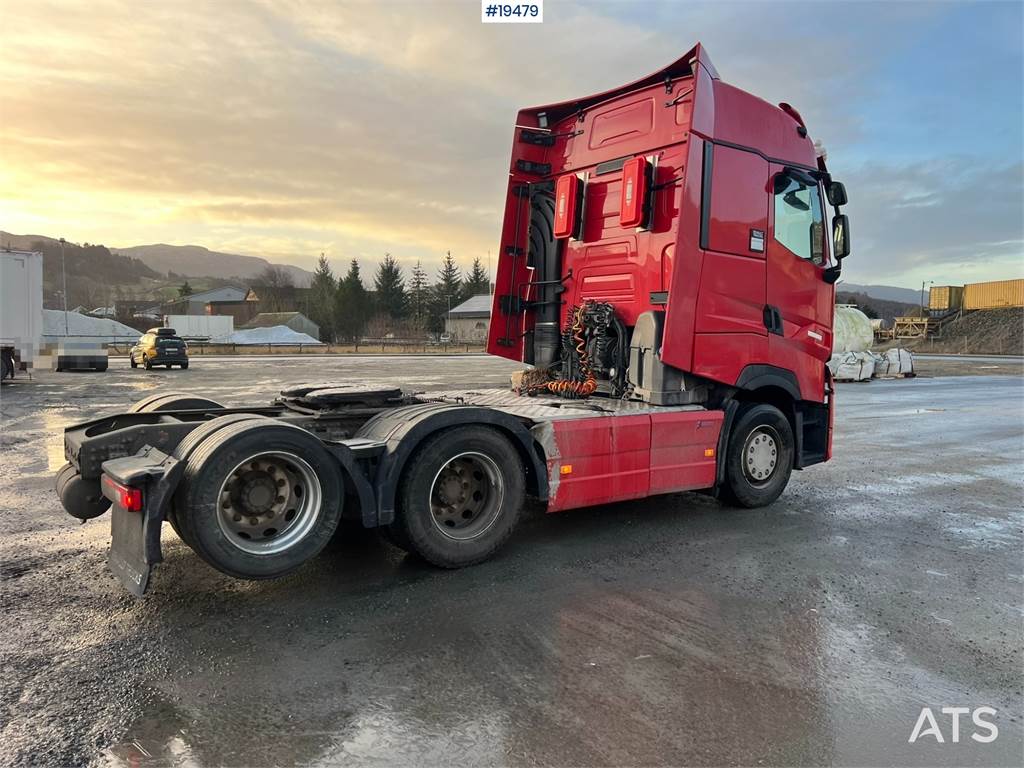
x=186, y=260
x=885, y=292
x=197, y=261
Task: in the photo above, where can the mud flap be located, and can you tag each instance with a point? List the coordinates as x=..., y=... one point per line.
x=135, y=536
x=128, y=549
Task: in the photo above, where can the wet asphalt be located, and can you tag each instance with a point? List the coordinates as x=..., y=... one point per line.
x=668, y=631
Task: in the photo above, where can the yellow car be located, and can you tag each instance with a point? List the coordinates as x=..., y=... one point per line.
x=159, y=346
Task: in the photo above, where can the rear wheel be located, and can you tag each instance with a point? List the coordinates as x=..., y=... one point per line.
x=191, y=442
x=459, y=497
x=146, y=363
x=184, y=366
x=259, y=498
x=759, y=458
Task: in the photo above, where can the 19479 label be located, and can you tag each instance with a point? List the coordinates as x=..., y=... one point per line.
x=511, y=13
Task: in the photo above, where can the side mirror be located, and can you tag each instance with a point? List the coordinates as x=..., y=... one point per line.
x=836, y=193
x=840, y=237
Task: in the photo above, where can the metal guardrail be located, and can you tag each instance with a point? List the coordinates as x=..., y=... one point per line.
x=364, y=346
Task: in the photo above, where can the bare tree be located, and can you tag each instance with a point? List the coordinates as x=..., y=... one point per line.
x=275, y=288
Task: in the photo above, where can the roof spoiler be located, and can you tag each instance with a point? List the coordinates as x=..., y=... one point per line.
x=684, y=66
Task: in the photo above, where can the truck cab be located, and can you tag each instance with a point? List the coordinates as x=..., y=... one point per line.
x=697, y=212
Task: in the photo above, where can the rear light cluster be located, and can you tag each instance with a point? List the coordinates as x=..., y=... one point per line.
x=569, y=206
x=129, y=498
x=635, y=202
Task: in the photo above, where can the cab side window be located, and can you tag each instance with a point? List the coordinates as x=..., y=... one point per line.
x=799, y=221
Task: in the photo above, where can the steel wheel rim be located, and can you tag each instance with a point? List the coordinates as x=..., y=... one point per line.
x=269, y=503
x=466, y=496
x=761, y=455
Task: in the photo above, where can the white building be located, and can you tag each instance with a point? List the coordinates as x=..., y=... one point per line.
x=469, y=322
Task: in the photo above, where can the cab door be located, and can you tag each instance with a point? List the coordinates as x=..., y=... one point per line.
x=729, y=328
x=800, y=304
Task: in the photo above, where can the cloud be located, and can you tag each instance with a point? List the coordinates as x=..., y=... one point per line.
x=360, y=127
x=950, y=220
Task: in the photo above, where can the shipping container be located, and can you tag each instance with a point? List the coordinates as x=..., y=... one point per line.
x=998, y=293
x=944, y=297
x=21, y=303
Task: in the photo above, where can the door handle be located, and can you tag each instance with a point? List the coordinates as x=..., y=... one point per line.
x=772, y=319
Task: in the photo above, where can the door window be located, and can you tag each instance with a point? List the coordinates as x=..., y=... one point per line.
x=799, y=221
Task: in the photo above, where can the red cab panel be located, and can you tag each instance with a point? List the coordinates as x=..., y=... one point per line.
x=606, y=459
x=598, y=461
x=683, y=450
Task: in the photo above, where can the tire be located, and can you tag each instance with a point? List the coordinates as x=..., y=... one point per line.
x=226, y=506
x=192, y=441
x=146, y=363
x=8, y=368
x=172, y=401
x=459, y=497
x=131, y=361
x=101, y=367
x=759, y=457
x=82, y=499
x=184, y=366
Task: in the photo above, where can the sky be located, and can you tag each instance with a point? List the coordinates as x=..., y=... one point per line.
x=288, y=128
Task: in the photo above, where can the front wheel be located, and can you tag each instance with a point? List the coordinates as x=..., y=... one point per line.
x=459, y=497
x=131, y=361
x=759, y=457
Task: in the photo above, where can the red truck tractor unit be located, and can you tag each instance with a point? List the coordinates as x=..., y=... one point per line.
x=666, y=277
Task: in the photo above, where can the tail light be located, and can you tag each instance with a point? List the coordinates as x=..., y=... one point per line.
x=128, y=497
x=568, y=206
x=634, y=205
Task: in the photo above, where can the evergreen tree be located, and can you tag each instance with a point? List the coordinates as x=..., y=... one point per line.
x=185, y=289
x=322, y=299
x=418, y=293
x=447, y=292
x=477, y=281
x=352, y=304
x=389, y=287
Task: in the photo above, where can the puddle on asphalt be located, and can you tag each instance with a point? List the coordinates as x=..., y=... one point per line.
x=628, y=674
x=615, y=676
